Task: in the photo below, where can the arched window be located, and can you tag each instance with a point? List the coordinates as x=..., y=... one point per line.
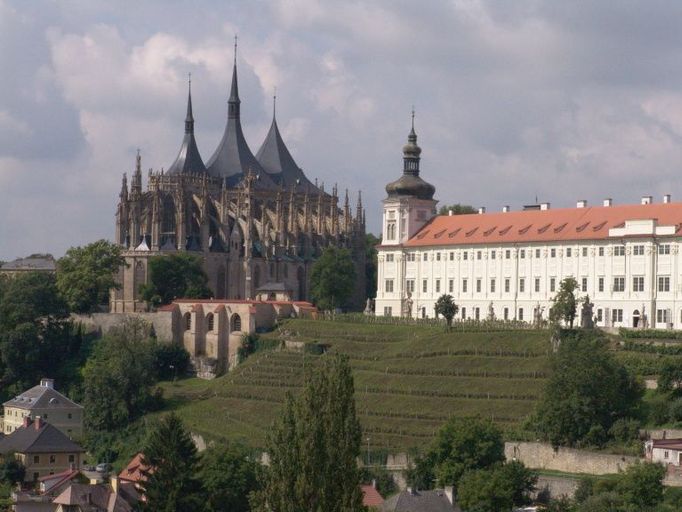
x=209, y=322
x=188, y=321
x=235, y=323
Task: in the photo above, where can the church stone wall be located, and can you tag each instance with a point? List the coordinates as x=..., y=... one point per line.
x=103, y=322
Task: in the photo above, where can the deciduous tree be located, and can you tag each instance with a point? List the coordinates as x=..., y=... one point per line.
x=314, y=447
x=229, y=475
x=462, y=444
x=446, y=307
x=86, y=274
x=500, y=487
x=587, y=390
x=565, y=304
x=457, y=209
x=175, y=276
x=332, y=278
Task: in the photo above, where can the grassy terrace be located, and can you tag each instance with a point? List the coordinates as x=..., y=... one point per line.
x=409, y=380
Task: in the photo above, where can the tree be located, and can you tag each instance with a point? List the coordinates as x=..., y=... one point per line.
x=314, y=447
x=462, y=444
x=86, y=274
x=670, y=376
x=446, y=307
x=588, y=390
x=332, y=278
x=457, y=209
x=12, y=470
x=229, y=476
x=175, y=276
x=641, y=485
x=371, y=265
x=172, y=483
x=500, y=487
x=565, y=304
x=119, y=376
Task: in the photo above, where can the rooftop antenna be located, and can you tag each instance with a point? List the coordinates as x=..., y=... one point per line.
x=412, y=117
x=274, y=103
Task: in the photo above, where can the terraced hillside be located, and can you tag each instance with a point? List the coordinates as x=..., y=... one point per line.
x=409, y=380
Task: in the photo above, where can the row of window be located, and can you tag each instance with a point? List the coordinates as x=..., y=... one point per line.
x=618, y=284
x=618, y=250
x=53, y=459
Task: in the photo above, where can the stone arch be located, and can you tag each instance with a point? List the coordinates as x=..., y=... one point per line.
x=235, y=323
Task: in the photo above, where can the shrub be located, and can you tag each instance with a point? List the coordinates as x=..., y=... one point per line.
x=624, y=430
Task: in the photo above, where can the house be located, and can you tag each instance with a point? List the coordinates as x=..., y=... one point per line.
x=113, y=497
x=35, y=263
x=48, y=403
x=664, y=451
x=134, y=472
x=412, y=500
x=40, y=499
x=371, y=497
x=42, y=449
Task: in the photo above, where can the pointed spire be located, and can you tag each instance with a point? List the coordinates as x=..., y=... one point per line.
x=234, y=101
x=274, y=106
x=124, y=188
x=189, y=120
x=412, y=137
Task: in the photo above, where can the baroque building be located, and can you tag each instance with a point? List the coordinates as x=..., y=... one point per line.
x=508, y=265
x=257, y=222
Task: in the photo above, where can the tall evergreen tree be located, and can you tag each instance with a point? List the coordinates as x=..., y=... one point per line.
x=314, y=447
x=172, y=483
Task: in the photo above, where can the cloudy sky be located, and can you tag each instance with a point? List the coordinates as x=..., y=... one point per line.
x=515, y=100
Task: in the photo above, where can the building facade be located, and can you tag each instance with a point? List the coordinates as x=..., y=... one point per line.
x=509, y=264
x=45, y=402
x=253, y=219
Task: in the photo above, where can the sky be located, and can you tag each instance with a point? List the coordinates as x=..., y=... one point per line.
x=553, y=100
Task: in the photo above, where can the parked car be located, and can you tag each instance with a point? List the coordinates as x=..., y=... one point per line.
x=103, y=467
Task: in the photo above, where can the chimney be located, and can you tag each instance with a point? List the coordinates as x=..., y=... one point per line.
x=505, y=209
x=450, y=213
x=448, y=493
x=608, y=202
x=481, y=210
x=27, y=421
x=38, y=423
x=646, y=199
x=581, y=204
x=666, y=198
x=544, y=206
x=47, y=383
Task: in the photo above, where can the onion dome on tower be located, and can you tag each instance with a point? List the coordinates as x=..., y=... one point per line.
x=188, y=159
x=410, y=184
x=275, y=158
x=233, y=158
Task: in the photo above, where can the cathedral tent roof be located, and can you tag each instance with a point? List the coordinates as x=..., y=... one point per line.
x=188, y=159
x=275, y=158
x=233, y=158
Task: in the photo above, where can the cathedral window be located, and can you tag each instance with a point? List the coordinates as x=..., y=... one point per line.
x=390, y=231
x=188, y=321
x=209, y=322
x=492, y=254
x=479, y=255
x=552, y=253
x=537, y=253
x=437, y=256
x=409, y=285
x=583, y=287
x=465, y=255
x=568, y=252
x=638, y=250
x=638, y=284
x=522, y=254
x=507, y=254
x=601, y=251
x=452, y=256
x=537, y=285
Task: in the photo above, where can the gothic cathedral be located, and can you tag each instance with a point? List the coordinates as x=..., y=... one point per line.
x=257, y=222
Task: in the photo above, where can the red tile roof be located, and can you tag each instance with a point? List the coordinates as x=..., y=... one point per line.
x=672, y=444
x=133, y=472
x=371, y=497
x=552, y=225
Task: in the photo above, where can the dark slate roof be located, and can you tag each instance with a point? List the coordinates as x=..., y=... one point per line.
x=188, y=159
x=233, y=158
x=46, y=439
x=275, y=158
x=45, y=263
x=42, y=397
x=410, y=183
x=419, y=501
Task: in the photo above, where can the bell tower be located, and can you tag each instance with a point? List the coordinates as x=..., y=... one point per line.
x=410, y=202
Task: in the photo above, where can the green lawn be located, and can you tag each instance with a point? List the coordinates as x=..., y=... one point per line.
x=408, y=380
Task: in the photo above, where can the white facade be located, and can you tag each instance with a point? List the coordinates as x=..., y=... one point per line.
x=664, y=451
x=634, y=270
